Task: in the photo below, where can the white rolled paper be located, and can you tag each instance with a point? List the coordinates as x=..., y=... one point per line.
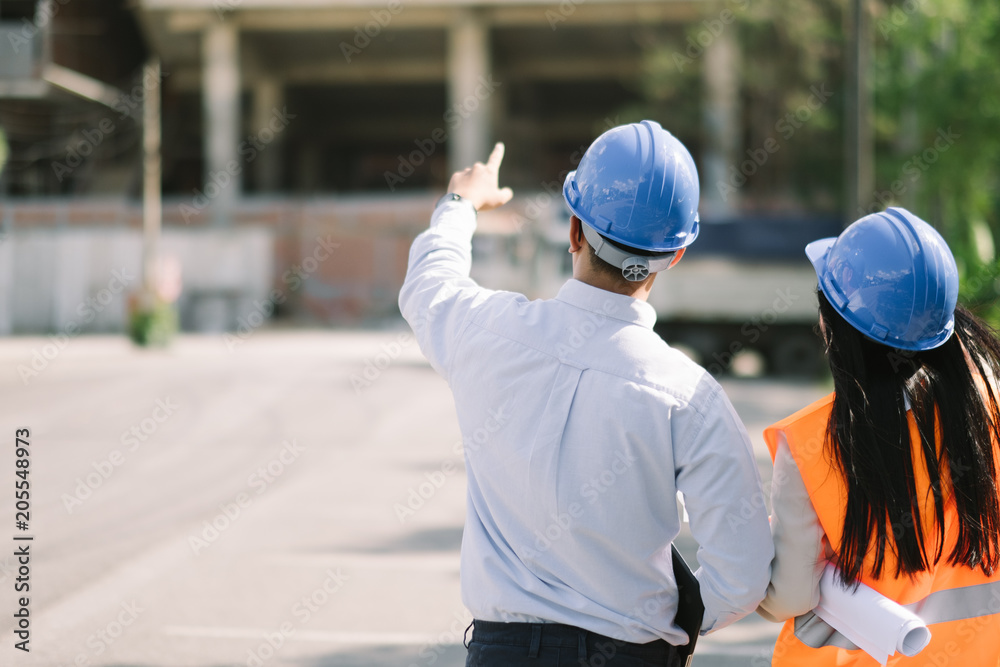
x=877, y=625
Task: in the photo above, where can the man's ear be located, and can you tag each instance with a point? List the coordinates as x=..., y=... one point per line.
x=576, y=239
x=677, y=257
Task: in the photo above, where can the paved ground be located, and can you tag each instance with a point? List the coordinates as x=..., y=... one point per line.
x=222, y=504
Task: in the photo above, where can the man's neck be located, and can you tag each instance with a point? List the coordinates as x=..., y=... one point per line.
x=640, y=291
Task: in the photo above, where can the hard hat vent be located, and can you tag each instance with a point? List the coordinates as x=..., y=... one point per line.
x=635, y=269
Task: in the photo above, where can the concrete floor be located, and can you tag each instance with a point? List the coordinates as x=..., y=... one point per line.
x=226, y=503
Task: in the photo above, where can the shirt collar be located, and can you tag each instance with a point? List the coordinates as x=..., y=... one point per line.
x=603, y=302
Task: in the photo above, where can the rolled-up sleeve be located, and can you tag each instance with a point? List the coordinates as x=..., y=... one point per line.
x=717, y=474
x=800, y=548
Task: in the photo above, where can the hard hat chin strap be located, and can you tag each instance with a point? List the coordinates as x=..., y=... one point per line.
x=635, y=268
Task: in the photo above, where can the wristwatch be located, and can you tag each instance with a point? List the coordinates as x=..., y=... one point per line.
x=451, y=196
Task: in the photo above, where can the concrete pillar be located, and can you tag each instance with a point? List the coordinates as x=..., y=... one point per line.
x=469, y=90
x=859, y=135
x=721, y=118
x=221, y=98
x=268, y=99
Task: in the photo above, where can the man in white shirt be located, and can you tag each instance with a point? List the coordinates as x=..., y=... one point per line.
x=581, y=425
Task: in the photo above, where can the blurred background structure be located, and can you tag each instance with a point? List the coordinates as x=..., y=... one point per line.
x=304, y=143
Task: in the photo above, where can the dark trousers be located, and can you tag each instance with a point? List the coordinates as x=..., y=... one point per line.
x=556, y=645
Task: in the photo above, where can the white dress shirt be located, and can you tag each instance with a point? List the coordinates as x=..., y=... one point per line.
x=580, y=425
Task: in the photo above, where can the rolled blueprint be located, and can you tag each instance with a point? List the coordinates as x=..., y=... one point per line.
x=877, y=625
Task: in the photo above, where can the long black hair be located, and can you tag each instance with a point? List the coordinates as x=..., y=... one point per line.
x=868, y=437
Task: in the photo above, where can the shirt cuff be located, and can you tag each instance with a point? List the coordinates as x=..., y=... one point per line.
x=459, y=215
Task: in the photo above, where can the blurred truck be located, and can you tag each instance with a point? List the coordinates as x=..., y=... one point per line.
x=743, y=299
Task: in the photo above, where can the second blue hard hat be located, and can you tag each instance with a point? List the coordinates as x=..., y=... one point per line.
x=637, y=185
x=892, y=277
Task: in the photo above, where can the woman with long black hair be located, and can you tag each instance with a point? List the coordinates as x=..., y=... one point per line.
x=893, y=478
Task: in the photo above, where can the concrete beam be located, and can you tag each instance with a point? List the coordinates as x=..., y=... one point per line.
x=572, y=69
x=342, y=5
x=280, y=18
x=333, y=72
x=430, y=70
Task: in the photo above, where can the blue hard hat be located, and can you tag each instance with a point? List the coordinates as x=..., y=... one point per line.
x=892, y=277
x=637, y=185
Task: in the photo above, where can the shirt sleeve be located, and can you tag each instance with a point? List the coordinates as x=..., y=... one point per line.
x=438, y=294
x=800, y=550
x=717, y=473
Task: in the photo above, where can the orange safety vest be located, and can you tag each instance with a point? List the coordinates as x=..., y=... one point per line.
x=961, y=606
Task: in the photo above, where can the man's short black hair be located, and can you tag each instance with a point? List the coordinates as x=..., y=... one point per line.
x=604, y=268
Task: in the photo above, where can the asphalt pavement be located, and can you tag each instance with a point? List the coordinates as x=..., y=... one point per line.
x=286, y=499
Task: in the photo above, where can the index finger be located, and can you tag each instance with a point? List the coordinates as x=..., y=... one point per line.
x=496, y=157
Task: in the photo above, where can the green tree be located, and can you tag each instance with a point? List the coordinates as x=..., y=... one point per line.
x=787, y=50
x=937, y=125
x=936, y=82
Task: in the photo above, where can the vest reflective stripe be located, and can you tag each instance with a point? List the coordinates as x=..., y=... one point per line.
x=960, y=605
x=954, y=604
x=814, y=632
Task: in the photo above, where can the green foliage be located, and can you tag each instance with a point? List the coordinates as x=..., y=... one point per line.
x=936, y=82
x=979, y=290
x=792, y=49
x=937, y=95
x=787, y=49
x=154, y=326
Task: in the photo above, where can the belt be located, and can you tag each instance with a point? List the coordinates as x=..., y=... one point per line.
x=534, y=636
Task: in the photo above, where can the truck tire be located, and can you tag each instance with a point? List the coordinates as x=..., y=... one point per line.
x=796, y=354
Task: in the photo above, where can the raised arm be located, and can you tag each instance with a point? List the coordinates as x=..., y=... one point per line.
x=438, y=294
